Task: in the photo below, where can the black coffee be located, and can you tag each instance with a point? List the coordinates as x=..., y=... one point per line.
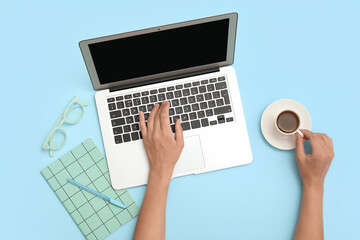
x=287, y=121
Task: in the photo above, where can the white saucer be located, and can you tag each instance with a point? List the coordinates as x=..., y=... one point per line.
x=276, y=139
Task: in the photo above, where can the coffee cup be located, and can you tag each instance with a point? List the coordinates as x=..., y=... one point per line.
x=288, y=122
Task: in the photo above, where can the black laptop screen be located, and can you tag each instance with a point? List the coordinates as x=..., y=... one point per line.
x=160, y=52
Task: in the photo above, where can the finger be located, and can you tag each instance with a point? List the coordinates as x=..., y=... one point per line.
x=156, y=125
x=307, y=134
x=143, y=127
x=164, y=116
x=150, y=122
x=300, y=150
x=179, y=136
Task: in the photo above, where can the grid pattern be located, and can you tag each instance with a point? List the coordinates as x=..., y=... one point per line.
x=95, y=217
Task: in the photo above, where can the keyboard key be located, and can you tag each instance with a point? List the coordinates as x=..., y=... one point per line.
x=118, y=122
x=120, y=105
x=197, y=83
x=118, y=139
x=172, y=127
x=171, y=112
x=179, y=86
x=153, y=98
x=230, y=119
x=207, y=96
x=145, y=93
x=136, y=95
x=126, y=112
x=191, y=99
x=195, y=124
x=216, y=94
x=112, y=106
x=209, y=112
x=201, y=114
x=219, y=102
x=185, y=126
x=187, y=85
x=195, y=107
x=204, y=122
x=221, y=110
x=120, y=98
x=221, y=119
x=179, y=110
x=129, y=120
x=136, y=118
x=210, y=87
x=186, y=92
x=187, y=108
x=213, y=122
x=220, y=85
x=128, y=96
x=150, y=107
x=161, y=97
x=178, y=94
x=127, y=137
x=204, y=82
x=184, y=118
x=117, y=130
x=127, y=128
x=176, y=118
x=199, y=98
x=221, y=78
x=225, y=95
x=154, y=91
x=115, y=114
x=134, y=110
x=183, y=101
x=203, y=105
x=136, y=101
x=128, y=103
x=212, y=80
x=211, y=104
x=175, y=103
x=172, y=88
x=202, y=89
x=134, y=136
x=144, y=100
x=161, y=90
x=109, y=100
x=140, y=135
x=142, y=109
x=194, y=91
x=169, y=95
x=192, y=116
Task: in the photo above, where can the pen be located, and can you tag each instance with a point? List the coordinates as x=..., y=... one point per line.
x=111, y=200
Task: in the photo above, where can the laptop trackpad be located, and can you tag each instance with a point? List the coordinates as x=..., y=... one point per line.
x=191, y=158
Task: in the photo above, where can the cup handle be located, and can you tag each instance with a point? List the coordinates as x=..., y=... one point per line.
x=299, y=132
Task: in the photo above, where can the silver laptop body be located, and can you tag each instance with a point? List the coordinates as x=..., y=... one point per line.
x=187, y=64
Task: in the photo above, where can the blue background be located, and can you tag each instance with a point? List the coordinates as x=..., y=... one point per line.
x=303, y=50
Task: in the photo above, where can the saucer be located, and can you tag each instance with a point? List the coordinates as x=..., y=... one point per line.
x=276, y=139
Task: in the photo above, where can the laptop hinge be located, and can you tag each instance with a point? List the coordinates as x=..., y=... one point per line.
x=158, y=80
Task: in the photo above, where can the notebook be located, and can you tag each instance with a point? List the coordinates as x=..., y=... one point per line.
x=95, y=217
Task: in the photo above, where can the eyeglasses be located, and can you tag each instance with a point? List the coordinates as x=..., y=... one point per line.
x=72, y=115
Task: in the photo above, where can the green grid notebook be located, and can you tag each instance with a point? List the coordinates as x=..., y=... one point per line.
x=95, y=217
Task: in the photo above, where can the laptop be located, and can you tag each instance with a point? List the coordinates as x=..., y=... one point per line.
x=187, y=64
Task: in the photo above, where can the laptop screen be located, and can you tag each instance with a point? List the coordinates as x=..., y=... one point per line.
x=160, y=52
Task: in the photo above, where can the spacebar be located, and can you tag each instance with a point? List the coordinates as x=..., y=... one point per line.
x=221, y=110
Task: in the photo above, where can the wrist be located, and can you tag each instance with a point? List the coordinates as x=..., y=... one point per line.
x=313, y=188
x=159, y=177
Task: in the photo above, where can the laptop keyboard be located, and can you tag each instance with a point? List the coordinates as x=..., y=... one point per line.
x=198, y=104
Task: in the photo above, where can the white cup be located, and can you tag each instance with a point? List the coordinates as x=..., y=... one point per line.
x=297, y=130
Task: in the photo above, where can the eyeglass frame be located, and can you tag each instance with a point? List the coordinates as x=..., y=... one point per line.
x=58, y=125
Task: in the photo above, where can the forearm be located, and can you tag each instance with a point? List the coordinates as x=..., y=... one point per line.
x=151, y=220
x=310, y=222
